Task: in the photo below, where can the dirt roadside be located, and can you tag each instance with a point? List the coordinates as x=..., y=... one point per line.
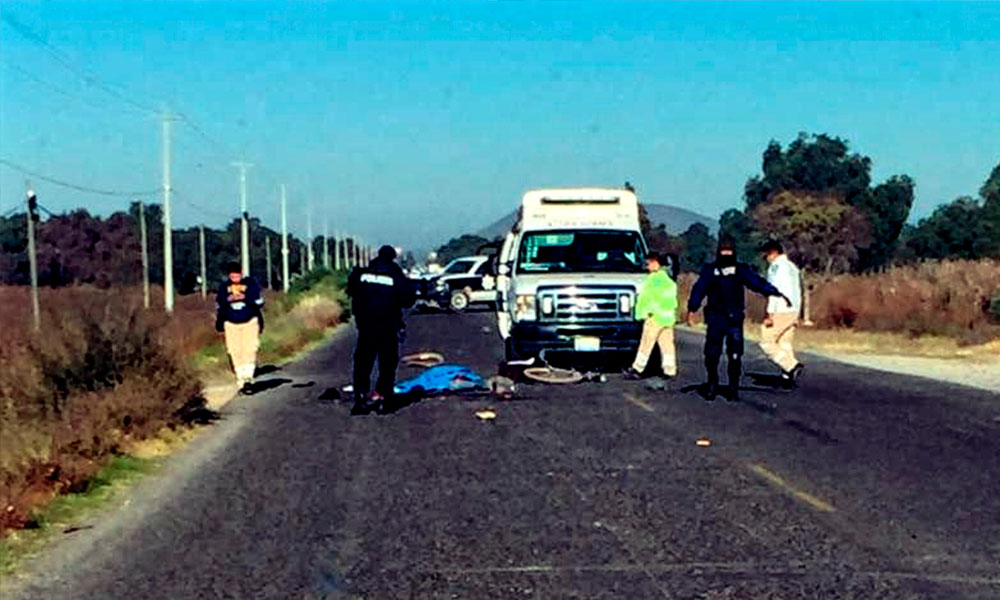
x=934, y=358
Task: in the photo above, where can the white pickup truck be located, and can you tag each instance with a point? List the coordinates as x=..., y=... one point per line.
x=465, y=281
x=569, y=273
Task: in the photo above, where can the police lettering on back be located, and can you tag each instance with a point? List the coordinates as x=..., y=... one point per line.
x=377, y=279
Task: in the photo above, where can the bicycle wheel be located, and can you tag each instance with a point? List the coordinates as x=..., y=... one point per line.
x=551, y=375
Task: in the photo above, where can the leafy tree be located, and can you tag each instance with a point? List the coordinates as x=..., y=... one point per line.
x=823, y=166
x=819, y=230
x=965, y=228
x=887, y=207
x=816, y=163
x=737, y=226
x=699, y=247
x=990, y=194
x=953, y=230
x=13, y=249
x=80, y=248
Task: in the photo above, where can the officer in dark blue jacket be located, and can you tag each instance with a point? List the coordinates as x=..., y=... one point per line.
x=379, y=294
x=724, y=282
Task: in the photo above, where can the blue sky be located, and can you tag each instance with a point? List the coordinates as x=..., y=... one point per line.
x=409, y=122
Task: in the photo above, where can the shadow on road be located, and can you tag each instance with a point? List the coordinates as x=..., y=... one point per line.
x=266, y=370
x=267, y=384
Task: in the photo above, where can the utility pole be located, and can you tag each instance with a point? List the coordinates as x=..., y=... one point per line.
x=168, y=232
x=326, y=244
x=284, y=241
x=245, y=218
x=336, y=251
x=32, y=202
x=145, y=254
x=309, y=237
x=204, y=271
x=267, y=250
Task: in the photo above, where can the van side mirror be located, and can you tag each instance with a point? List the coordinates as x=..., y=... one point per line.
x=503, y=270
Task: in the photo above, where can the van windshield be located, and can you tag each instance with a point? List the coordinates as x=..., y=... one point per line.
x=581, y=251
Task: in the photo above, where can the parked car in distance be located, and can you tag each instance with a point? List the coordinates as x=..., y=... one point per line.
x=465, y=281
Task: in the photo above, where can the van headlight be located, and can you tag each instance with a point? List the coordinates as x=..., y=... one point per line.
x=525, y=308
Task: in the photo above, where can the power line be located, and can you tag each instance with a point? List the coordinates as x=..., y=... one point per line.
x=205, y=211
x=22, y=72
x=74, y=186
x=25, y=32
x=59, y=90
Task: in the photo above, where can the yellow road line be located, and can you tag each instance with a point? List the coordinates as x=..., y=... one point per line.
x=640, y=403
x=776, y=480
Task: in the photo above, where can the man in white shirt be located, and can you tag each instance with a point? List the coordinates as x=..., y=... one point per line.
x=778, y=329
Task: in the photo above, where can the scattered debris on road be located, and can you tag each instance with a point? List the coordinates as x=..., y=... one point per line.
x=502, y=386
x=422, y=359
x=486, y=415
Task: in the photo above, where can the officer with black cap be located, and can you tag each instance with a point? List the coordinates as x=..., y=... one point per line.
x=724, y=282
x=379, y=293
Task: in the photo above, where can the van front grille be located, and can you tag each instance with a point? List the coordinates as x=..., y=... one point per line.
x=583, y=304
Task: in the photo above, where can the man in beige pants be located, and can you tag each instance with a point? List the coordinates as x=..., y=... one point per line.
x=777, y=333
x=239, y=315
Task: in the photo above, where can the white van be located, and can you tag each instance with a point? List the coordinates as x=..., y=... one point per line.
x=569, y=273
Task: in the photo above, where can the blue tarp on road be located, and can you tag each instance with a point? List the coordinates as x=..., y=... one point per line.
x=441, y=379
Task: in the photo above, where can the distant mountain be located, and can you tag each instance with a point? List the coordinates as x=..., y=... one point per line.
x=676, y=219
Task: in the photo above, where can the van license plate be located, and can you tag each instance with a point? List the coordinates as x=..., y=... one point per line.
x=587, y=344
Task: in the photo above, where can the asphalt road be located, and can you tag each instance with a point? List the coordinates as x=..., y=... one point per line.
x=860, y=484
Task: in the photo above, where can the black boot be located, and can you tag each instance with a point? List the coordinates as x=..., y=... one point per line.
x=711, y=389
x=385, y=406
x=734, y=370
x=361, y=406
x=732, y=393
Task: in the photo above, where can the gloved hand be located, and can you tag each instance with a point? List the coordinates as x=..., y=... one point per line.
x=260, y=322
x=220, y=325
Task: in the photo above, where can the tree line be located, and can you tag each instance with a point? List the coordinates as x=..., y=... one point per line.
x=818, y=199
x=80, y=248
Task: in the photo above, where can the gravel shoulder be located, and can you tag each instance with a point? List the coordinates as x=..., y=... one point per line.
x=982, y=373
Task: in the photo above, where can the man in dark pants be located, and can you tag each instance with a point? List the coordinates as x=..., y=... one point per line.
x=724, y=282
x=379, y=293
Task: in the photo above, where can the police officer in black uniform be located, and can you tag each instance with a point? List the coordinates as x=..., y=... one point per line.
x=379, y=293
x=723, y=282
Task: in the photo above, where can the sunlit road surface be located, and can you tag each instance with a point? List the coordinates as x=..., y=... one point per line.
x=860, y=484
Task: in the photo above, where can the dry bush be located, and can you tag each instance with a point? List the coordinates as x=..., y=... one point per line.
x=949, y=298
x=104, y=372
x=316, y=312
x=101, y=372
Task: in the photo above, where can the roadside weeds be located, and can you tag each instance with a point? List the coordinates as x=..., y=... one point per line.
x=299, y=323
